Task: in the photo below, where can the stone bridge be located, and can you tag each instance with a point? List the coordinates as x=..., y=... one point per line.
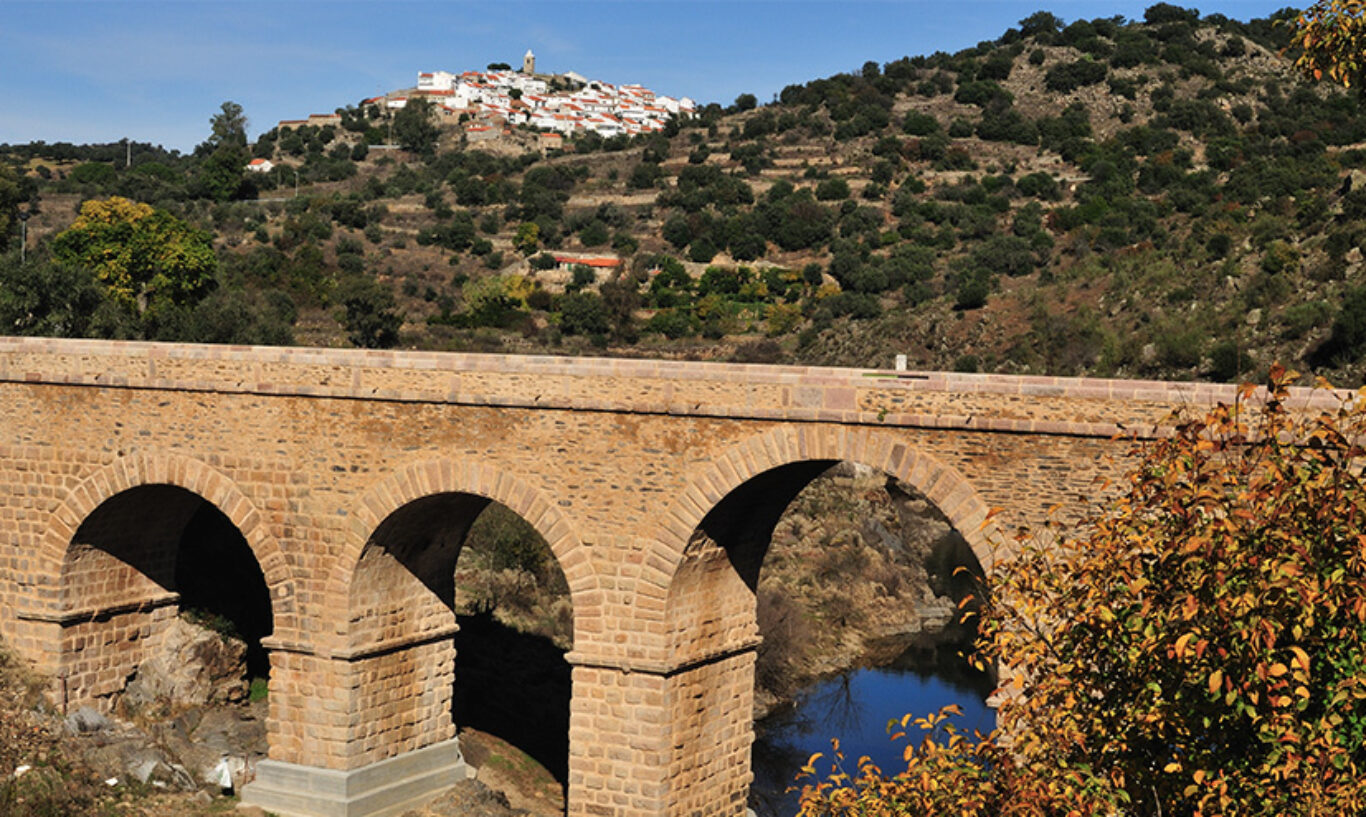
x=353, y=477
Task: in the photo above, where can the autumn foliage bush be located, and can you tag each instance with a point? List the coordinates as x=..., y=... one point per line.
x=1198, y=649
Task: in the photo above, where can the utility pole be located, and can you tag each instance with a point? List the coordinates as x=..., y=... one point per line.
x=23, y=236
x=128, y=153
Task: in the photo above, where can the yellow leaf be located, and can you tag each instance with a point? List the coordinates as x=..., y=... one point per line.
x=1181, y=644
x=1301, y=658
x=1216, y=680
x=1277, y=670
x=1171, y=768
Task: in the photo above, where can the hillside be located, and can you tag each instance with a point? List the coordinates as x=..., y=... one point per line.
x=1159, y=198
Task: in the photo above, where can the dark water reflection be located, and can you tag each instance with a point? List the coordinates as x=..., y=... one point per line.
x=855, y=707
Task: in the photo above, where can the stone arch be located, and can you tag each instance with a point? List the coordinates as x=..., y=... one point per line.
x=700, y=591
x=392, y=596
x=789, y=445
x=144, y=468
x=429, y=478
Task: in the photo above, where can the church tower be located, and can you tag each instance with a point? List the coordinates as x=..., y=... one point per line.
x=529, y=63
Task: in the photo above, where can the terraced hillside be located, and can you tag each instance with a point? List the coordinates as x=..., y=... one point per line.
x=1156, y=198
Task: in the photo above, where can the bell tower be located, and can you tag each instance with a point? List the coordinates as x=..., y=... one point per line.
x=529, y=63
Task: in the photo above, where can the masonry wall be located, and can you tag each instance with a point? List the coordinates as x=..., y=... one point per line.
x=310, y=452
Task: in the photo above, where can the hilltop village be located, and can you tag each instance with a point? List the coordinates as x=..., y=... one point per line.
x=487, y=104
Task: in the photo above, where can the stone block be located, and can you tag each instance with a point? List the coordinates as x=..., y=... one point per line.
x=379, y=790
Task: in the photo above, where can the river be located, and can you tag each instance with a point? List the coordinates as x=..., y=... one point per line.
x=855, y=707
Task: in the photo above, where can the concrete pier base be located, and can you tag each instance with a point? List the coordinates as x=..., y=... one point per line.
x=378, y=790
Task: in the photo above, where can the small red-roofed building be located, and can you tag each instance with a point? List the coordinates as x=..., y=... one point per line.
x=594, y=262
x=550, y=141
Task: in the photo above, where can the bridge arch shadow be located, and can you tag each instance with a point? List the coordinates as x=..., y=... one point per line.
x=718, y=534
x=424, y=663
x=145, y=538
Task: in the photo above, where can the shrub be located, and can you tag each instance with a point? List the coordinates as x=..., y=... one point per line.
x=1005, y=254
x=919, y=124
x=972, y=291
x=1039, y=185
x=981, y=93
x=584, y=313
x=671, y=323
x=702, y=250
x=1348, y=339
x=1007, y=125
x=368, y=313
x=832, y=190
x=1069, y=76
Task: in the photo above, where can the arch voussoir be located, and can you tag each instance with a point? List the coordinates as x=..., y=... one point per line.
x=432, y=477
x=141, y=468
x=940, y=482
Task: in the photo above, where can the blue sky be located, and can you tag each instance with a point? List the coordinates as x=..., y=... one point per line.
x=99, y=71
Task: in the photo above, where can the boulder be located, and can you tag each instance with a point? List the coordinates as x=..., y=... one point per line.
x=191, y=667
x=85, y=721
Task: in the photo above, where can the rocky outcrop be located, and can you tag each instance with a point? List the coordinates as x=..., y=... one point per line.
x=182, y=722
x=191, y=667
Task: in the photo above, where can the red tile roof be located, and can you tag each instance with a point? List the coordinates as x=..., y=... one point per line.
x=588, y=262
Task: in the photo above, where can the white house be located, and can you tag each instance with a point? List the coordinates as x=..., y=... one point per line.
x=436, y=81
x=260, y=166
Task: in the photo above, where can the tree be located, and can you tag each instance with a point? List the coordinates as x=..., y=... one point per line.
x=833, y=189
x=1199, y=649
x=145, y=257
x=1348, y=338
x=46, y=297
x=528, y=237
x=584, y=313
x=594, y=234
x=1330, y=37
x=1162, y=13
x=745, y=102
x=228, y=127
x=368, y=313
x=677, y=231
x=414, y=128
x=220, y=175
x=12, y=193
x=1041, y=24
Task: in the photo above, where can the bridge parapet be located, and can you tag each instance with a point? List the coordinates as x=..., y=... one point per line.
x=1092, y=407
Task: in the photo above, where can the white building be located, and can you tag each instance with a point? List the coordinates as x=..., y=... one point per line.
x=436, y=81
x=518, y=97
